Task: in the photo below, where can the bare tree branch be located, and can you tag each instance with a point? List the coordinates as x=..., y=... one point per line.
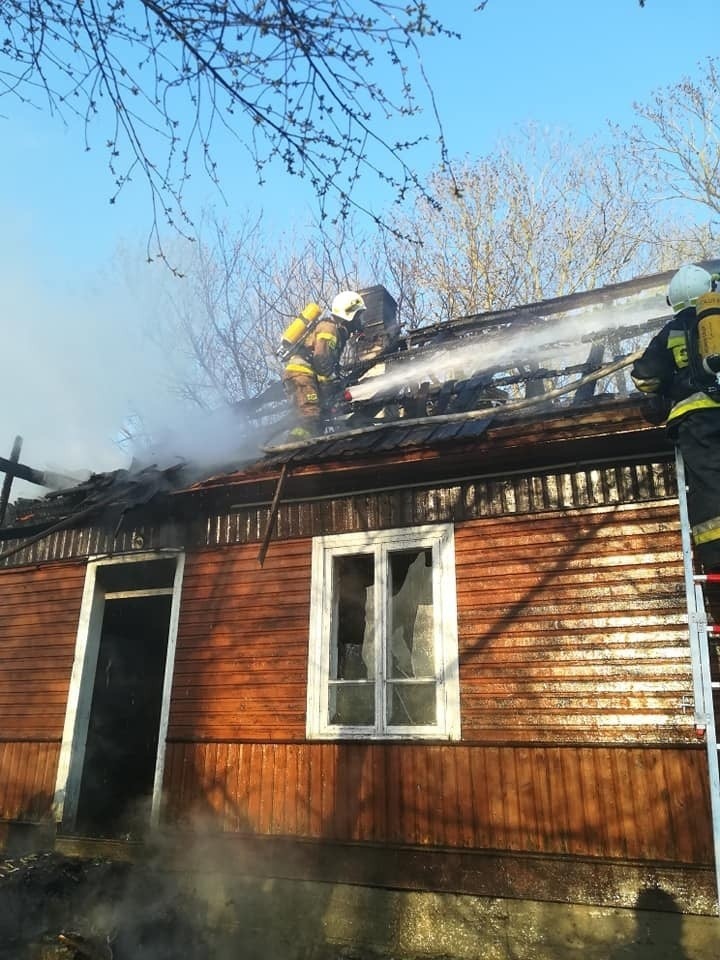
x=301, y=82
x=677, y=139
x=538, y=217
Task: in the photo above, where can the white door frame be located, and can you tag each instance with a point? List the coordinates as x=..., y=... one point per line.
x=82, y=679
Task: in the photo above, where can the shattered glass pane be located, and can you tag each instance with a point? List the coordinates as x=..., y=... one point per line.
x=411, y=649
x=353, y=653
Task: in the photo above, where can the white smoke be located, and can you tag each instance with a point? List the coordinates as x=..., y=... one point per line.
x=563, y=338
x=79, y=360
x=80, y=363
x=203, y=438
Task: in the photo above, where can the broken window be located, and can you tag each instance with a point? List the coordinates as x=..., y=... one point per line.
x=383, y=645
x=411, y=656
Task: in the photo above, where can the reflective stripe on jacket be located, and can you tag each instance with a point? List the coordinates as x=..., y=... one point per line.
x=706, y=531
x=298, y=365
x=677, y=344
x=665, y=369
x=319, y=354
x=696, y=401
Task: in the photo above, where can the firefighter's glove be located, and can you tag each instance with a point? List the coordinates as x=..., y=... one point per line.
x=656, y=409
x=646, y=384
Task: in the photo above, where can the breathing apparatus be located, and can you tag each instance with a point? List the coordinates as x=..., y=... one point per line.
x=295, y=332
x=692, y=286
x=347, y=307
x=708, y=332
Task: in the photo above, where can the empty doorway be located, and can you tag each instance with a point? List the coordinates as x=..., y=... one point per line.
x=116, y=720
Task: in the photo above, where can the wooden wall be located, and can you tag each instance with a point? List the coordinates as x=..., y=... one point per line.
x=241, y=659
x=39, y=610
x=577, y=732
x=577, y=724
x=573, y=627
x=623, y=802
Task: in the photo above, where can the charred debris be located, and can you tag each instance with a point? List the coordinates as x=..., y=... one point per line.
x=448, y=381
x=535, y=354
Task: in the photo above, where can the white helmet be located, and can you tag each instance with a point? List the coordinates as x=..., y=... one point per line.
x=346, y=305
x=687, y=285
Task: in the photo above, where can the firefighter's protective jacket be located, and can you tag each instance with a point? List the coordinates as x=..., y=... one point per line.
x=319, y=353
x=665, y=369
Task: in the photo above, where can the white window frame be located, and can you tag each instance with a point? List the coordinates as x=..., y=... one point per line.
x=440, y=539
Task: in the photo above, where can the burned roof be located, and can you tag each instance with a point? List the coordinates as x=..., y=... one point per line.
x=450, y=381
x=442, y=385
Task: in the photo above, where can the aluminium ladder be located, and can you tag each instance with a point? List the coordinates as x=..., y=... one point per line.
x=701, y=634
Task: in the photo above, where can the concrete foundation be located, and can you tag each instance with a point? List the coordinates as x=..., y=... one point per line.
x=130, y=910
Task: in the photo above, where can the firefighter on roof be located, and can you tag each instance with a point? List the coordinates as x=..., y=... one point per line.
x=680, y=371
x=312, y=346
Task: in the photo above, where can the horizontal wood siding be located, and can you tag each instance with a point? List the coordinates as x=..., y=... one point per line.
x=241, y=660
x=39, y=611
x=573, y=649
x=616, y=802
x=574, y=627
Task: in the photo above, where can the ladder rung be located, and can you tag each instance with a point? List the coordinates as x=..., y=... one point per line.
x=707, y=578
x=713, y=630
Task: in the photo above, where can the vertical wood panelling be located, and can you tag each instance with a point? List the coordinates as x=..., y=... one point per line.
x=480, y=497
x=27, y=779
x=623, y=802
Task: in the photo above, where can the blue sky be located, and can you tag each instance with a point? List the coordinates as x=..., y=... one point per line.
x=563, y=64
x=572, y=64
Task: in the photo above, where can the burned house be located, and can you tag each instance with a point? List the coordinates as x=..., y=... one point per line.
x=442, y=647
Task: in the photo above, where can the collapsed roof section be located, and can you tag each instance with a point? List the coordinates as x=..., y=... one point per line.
x=427, y=388
x=450, y=380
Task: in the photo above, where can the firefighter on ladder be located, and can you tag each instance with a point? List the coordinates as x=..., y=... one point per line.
x=680, y=371
x=312, y=346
